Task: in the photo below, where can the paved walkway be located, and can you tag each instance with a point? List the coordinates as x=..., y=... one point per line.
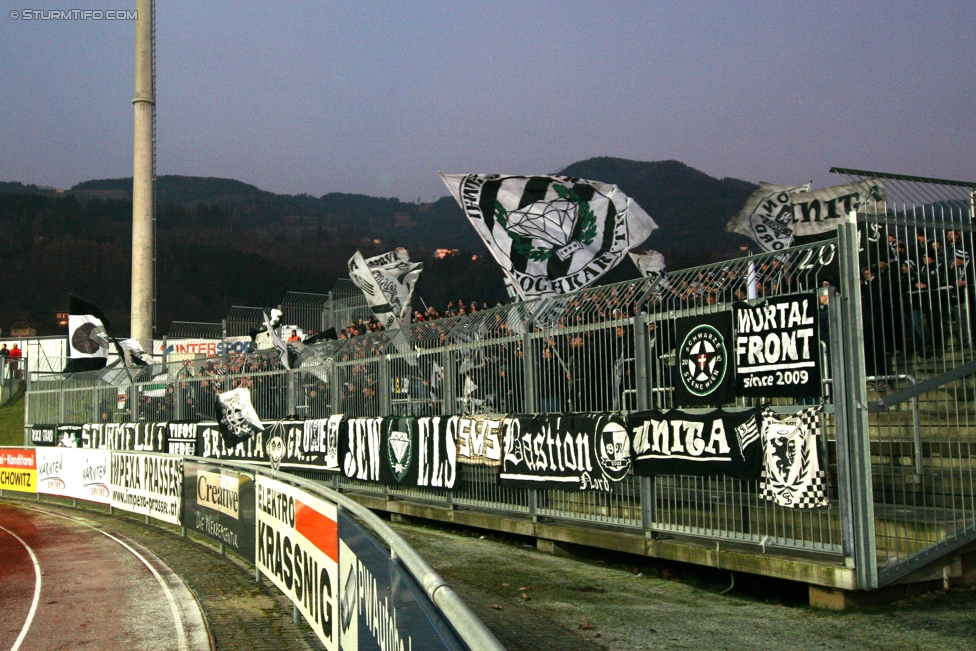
x=69, y=586
x=241, y=614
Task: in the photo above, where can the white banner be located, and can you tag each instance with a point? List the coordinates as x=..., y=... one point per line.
x=776, y=214
x=148, y=484
x=650, y=263
x=298, y=550
x=75, y=472
x=387, y=282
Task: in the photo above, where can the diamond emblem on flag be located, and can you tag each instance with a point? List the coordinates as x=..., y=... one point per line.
x=550, y=221
x=399, y=453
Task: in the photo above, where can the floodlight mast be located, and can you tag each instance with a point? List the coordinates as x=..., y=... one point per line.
x=143, y=179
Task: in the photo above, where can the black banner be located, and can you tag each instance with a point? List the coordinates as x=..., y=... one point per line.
x=127, y=437
x=704, y=373
x=44, y=435
x=777, y=348
x=679, y=443
x=436, y=452
x=219, y=503
x=182, y=439
x=565, y=451
x=360, y=448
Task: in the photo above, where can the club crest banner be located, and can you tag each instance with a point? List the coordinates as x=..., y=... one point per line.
x=550, y=234
x=679, y=443
x=791, y=475
x=705, y=370
x=777, y=348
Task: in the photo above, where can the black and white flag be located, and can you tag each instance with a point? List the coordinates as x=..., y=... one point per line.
x=88, y=339
x=792, y=475
x=650, y=263
x=573, y=452
x=680, y=443
x=777, y=347
x=238, y=419
x=387, y=281
x=550, y=234
x=774, y=216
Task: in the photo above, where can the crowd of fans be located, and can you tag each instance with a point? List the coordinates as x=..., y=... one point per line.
x=916, y=293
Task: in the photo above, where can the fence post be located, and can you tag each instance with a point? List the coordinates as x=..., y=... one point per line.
x=449, y=382
x=291, y=404
x=528, y=372
x=27, y=388
x=384, y=386
x=855, y=408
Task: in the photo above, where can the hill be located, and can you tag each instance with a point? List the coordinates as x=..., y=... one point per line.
x=222, y=242
x=690, y=207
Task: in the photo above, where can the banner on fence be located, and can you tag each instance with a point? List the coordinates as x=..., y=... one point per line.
x=679, y=443
x=42, y=435
x=148, y=484
x=705, y=374
x=381, y=605
x=777, y=347
x=479, y=439
x=129, y=437
x=565, y=451
x=320, y=436
x=219, y=503
x=18, y=470
x=74, y=472
x=298, y=550
x=181, y=439
x=791, y=475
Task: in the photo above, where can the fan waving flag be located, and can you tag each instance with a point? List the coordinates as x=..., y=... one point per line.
x=650, y=263
x=775, y=215
x=88, y=340
x=387, y=281
x=550, y=234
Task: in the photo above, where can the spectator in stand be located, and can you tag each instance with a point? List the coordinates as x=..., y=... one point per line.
x=14, y=359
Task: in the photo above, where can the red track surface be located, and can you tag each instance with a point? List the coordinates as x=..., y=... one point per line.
x=95, y=593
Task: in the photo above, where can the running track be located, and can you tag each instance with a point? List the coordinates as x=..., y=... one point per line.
x=66, y=584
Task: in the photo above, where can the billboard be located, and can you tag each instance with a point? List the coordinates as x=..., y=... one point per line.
x=298, y=550
x=18, y=470
x=74, y=472
x=219, y=504
x=148, y=484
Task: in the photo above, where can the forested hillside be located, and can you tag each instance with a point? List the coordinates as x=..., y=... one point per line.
x=222, y=242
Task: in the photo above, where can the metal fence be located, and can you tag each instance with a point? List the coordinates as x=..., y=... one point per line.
x=898, y=359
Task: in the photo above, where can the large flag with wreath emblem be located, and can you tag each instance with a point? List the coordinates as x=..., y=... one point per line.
x=551, y=234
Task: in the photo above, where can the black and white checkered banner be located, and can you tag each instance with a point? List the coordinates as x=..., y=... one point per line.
x=792, y=476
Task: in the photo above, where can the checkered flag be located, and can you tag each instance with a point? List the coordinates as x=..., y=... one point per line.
x=792, y=476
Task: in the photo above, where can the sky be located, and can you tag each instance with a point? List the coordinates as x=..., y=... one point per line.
x=377, y=97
